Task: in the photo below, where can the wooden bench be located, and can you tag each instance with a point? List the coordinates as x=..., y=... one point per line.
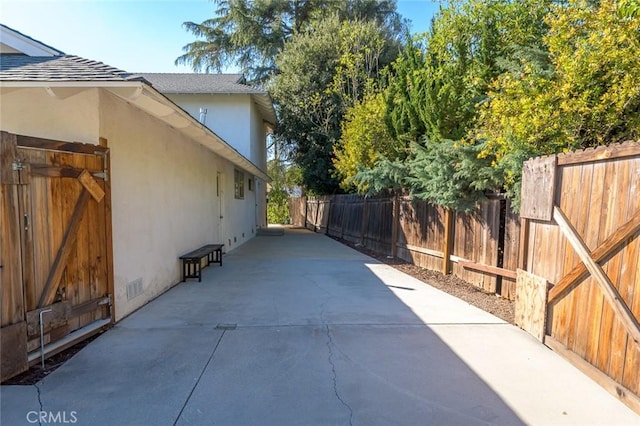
x=192, y=261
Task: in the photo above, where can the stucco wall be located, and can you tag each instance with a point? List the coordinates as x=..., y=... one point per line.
x=237, y=120
x=227, y=116
x=163, y=185
x=163, y=190
x=33, y=112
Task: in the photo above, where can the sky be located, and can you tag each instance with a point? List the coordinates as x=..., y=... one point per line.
x=135, y=35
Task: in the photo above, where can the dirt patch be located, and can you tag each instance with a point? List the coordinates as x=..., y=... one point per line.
x=36, y=373
x=450, y=284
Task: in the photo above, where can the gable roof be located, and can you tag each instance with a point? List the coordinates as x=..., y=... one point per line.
x=193, y=83
x=12, y=41
x=198, y=83
x=16, y=67
x=62, y=76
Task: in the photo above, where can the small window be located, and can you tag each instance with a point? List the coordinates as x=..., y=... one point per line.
x=250, y=184
x=239, y=184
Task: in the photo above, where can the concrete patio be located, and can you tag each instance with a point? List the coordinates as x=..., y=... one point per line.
x=301, y=330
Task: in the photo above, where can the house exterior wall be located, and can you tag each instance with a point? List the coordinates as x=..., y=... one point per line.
x=32, y=112
x=226, y=116
x=164, y=191
x=236, y=119
x=165, y=201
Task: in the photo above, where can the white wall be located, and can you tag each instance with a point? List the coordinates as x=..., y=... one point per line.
x=163, y=189
x=237, y=120
x=33, y=112
x=163, y=185
x=227, y=116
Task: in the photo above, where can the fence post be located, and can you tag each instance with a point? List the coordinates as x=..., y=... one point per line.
x=523, y=249
x=344, y=217
x=315, y=221
x=448, y=241
x=328, y=208
x=395, y=224
x=365, y=218
x=306, y=209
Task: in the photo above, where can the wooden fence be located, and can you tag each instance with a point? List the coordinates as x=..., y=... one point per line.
x=56, y=280
x=581, y=234
x=571, y=260
x=479, y=247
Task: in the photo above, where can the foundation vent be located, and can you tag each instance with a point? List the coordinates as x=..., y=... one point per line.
x=134, y=289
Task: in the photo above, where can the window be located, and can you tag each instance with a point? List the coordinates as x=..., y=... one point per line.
x=239, y=184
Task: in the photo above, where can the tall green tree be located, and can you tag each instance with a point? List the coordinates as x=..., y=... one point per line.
x=435, y=91
x=323, y=71
x=250, y=34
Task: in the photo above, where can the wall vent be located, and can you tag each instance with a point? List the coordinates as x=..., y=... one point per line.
x=134, y=289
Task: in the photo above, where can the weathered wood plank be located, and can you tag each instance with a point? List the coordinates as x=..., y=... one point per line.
x=618, y=276
x=107, y=246
x=69, y=238
x=621, y=309
x=488, y=268
x=47, y=144
x=11, y=290
x=538, y=188
x=447, y=247
x=531, y=304
x=90, y=184
x=54, y=171
x=613, y=242
x=8, y=154
x=609, y=152
x=13, y=347
x=57, y=317
x=595, y=299
x=625, y=395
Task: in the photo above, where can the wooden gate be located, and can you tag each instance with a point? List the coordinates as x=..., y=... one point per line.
x=581, y=220
x=55, y=246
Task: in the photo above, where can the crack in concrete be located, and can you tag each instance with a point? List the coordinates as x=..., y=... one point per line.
x=39, y=402
x=335, y=376
x=199, y=377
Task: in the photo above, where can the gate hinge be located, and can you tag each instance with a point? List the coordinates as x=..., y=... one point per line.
x=105, y=301
x=101, y=175
x=17, y=165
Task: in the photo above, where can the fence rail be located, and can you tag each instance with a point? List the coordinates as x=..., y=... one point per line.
x=469, y=245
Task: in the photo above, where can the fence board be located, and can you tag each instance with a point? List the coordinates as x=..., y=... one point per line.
x=594, y=315
x=531, y=303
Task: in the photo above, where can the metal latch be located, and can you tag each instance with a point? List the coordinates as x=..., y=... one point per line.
x=105, y=301
x=101, y=175
x=17, y=165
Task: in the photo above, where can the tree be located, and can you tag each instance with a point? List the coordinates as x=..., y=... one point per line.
x=322, y=71
x=365, y=139
x=249, y=34
x=583, y=93
x=434, y=94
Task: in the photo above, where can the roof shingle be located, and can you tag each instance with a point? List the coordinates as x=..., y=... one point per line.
x=199, y=83
x=59, y=68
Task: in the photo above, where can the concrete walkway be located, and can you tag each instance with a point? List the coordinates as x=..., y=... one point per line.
x=301, y=330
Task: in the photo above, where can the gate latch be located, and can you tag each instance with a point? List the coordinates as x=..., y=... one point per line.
x=17, y=165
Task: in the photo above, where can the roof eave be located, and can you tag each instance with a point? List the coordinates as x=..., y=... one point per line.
x=145, y=97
